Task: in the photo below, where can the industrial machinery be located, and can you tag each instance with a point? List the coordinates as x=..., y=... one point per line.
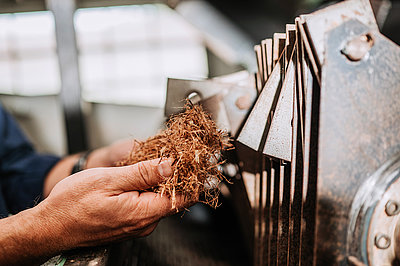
x=324, y=131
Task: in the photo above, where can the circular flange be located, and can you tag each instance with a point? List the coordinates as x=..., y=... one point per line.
x=373, y=218
x=381, y=239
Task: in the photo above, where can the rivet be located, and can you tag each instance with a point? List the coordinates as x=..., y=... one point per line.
x=382, y=241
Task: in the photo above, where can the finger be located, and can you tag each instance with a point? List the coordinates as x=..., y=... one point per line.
x=141, y=176
x=123, y=148
x=160, y=206
x=120, y=151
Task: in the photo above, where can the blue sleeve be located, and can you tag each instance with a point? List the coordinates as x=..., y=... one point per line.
x=22, y=169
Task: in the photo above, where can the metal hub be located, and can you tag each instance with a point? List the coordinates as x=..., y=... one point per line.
x=383, y=229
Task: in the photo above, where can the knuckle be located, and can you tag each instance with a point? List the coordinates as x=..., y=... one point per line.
x=144, y=172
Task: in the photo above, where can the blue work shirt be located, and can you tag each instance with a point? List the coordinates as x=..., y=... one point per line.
x=22, y=169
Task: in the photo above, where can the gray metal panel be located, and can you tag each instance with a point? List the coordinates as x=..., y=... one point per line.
x=359, y=129
x=252, y=132
x=279, y=138
x=328, y=18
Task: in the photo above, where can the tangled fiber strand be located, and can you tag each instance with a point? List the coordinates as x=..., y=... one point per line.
x=195, y=144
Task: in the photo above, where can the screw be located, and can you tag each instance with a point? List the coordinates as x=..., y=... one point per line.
x=194, y=97
x=382, y=241
x=243, y=102
x=392, y=208
x=358, y=47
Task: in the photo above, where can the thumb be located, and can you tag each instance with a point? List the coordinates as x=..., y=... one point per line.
x=143, y=175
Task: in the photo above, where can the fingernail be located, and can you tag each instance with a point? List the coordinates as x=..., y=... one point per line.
x=164, y=168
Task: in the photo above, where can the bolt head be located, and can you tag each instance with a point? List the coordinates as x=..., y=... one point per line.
x=392, y=208
x=382, y=241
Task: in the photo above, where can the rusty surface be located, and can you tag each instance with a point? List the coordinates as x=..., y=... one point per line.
x=268, y=211
x=259, y=59
x=310, y=168
x=279, y=137
x=279, y=40
x=290, y=43
x=359, y=130
x=306, y=45
x=274, y=223
x=344, y=127
x=322, y=21
x=296, y=178
x=371, y=216
x=264, y=61
x=254, y=128
x=382, y=235
x=284, y=202
x=267, y=44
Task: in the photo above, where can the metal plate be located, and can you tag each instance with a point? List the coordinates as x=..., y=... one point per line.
x=322, y=21
x=358, y=129
x=279, y=40
x=279, y=138
x=252, y=132
x=227, y=98
x=267, y=44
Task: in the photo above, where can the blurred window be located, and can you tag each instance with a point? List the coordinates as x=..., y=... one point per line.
x=28, y=58
x=126, y=53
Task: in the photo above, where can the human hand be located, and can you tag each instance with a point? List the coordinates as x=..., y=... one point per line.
x=100, y=205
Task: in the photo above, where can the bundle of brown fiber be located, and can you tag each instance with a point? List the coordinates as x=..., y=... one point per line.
x=194, y=142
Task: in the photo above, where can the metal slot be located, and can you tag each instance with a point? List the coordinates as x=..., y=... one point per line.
x=284, y=208
x=274, y=222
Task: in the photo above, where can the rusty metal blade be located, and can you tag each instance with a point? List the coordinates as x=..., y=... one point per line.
x=289, y=42
x=267, y=210
x=309, y=154
x=274, y=216
x=296, y=184
x=284, y=202
x=267, y=44
x=260, y=74
x=264, y=63
x=307, y=46
x=252, y=132
x=279, y=139
x=278, y=46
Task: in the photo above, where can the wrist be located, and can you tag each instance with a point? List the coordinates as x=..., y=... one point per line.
x=81, y=163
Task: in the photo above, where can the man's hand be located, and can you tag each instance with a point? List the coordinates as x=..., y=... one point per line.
x=92, y=207
x=103, y=204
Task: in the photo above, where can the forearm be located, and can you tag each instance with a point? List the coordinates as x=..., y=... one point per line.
x=28, y=238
